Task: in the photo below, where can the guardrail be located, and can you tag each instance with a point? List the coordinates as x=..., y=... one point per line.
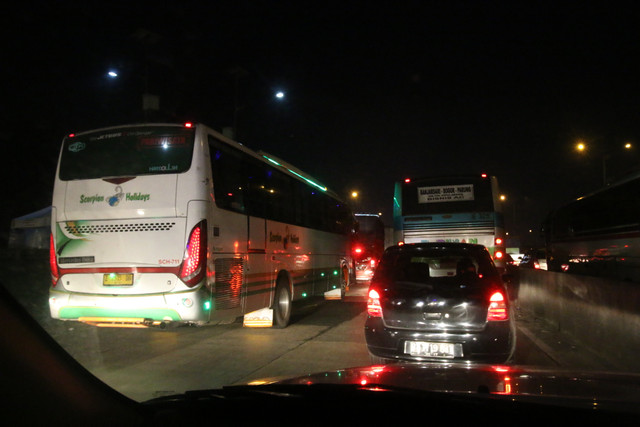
x=604, y=315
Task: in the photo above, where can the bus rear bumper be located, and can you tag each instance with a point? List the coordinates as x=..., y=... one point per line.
x=130, y=310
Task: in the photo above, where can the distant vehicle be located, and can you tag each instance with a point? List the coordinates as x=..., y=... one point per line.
x=464, y=209
x=161, y=223
x=598, y=234
x=536, y=259
x=517, y=257
x=368, y=244
x=439, y=301
x=512, y=276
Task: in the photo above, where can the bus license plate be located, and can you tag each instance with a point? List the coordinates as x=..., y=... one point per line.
x=117, y=279
x=431, y=349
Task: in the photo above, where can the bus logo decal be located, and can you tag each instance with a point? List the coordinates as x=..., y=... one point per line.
x=115, y=199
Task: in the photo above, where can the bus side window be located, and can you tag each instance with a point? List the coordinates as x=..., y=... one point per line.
x=301, y=206
x=228, y=182
x=280, y=205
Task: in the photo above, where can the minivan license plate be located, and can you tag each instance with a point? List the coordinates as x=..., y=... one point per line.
x=431, y=349
x=117, y=279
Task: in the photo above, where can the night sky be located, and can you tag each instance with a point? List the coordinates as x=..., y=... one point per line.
x=375, y=91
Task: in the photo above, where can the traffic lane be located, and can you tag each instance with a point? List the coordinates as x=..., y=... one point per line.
x=329, y=337
x=539, y=343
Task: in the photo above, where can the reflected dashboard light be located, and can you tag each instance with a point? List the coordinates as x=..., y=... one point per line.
x=140, y=212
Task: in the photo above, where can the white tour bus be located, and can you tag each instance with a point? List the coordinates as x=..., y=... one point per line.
x=160, y=223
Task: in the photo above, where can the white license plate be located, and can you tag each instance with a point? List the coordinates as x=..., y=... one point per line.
x=432, y=349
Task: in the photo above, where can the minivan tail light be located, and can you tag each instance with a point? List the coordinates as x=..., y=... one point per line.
x=195, y=255
x=53, y=262
x=497, y=307
x=374, y=309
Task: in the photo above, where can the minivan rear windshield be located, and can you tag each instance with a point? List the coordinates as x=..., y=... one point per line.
x=425, y=266
x=127, y=151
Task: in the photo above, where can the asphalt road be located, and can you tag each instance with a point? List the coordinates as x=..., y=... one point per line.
x=323, y=336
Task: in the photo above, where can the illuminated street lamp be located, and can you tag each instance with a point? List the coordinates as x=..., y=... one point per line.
x=582, y=147
x=627, y=146
x=354, y=197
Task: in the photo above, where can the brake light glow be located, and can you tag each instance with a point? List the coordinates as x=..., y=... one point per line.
x=188, y=125
x=193, y=265
x=53, y=262
x=374, y=309
x=497, y=308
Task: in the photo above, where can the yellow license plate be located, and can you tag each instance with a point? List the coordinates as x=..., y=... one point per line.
x=117, y=279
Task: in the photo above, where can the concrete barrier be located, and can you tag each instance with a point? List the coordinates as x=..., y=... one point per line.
x=603, y=315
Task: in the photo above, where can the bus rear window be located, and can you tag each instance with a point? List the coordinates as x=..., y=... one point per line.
x=127, y=151
x=479, y=198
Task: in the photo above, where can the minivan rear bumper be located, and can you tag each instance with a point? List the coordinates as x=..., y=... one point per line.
x=494, y=344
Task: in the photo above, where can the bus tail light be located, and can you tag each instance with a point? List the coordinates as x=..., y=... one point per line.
x=374, y=308
x=53, y=262
x=497, y=307
x=194, y=264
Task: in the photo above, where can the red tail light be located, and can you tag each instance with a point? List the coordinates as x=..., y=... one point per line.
x=53, y=262
x=193, y=266
x=497, y=307
x=374, y=309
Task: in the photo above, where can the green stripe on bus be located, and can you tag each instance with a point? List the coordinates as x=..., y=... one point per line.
x=147, y=313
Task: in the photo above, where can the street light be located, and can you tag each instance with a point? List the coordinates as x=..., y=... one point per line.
x=582, y=147
x=627, y=146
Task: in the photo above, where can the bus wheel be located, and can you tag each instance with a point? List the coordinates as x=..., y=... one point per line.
x=281, y=306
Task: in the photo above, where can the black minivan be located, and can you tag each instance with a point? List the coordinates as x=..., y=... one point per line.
x=439, y=302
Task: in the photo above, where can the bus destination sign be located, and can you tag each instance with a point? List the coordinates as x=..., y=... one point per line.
x=445, y=193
